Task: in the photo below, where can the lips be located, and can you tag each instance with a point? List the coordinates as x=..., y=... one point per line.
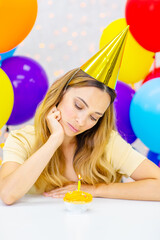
x=72, y=128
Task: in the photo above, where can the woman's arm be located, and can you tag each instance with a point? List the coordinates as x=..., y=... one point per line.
x=146, y=186
x=15, y=185
x=148, y=189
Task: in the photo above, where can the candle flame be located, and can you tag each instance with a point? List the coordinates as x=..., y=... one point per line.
x=79, y=176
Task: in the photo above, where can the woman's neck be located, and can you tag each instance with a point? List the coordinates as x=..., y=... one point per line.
x=69, y=141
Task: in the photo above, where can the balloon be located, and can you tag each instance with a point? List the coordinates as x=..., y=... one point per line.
x=136, y=61
x=17, y=19
x=6, y=98
x=153, y=74
x=145, y=114
x=6, y=55
x=143, y=18
x=154, y=157
x=30, y=84
x=122, y=106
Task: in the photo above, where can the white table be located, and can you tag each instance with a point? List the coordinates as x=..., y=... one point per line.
x=37, y=217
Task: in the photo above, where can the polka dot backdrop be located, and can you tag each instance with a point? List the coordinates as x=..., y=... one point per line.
x=65, y=35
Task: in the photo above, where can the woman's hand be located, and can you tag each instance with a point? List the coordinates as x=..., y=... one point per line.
x=60, y=192
x=56, y=129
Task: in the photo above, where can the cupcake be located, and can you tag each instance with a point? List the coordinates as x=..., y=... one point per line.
x=77, y=201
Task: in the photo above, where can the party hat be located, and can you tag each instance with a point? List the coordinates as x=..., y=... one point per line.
x=104, y=65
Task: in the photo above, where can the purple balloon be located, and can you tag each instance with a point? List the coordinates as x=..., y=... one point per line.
x=122, y=106
x=154, y=157
x=30, y=84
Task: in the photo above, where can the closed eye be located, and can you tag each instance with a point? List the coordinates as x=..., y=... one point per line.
x=80, y=108
x=93, y=118
x=77, y=106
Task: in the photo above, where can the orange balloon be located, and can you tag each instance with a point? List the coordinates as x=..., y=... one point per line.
x=17, y=18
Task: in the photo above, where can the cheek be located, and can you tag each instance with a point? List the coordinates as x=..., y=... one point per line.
x=67, y=111
x=92, y=125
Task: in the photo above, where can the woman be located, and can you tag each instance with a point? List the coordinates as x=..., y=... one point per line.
x=74, y=134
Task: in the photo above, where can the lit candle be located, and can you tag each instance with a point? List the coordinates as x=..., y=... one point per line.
x=79, y=182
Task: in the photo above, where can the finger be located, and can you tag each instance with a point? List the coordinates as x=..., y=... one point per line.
x=58, y=193
x=46, y=195
x=59, y=196
x=52, y=110
x=54, y=193
x=63, y=189
x=56, y=115
x=57, y=189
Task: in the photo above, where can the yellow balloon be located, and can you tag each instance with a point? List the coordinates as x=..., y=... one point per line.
x=6, y=98
x=136, y=61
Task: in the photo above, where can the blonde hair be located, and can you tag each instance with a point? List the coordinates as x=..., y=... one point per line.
x=90, y=156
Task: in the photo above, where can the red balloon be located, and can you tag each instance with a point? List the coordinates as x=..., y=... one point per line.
x=153, y=74
x=143, y=18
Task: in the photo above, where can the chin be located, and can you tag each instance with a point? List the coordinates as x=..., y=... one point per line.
x=69, y=133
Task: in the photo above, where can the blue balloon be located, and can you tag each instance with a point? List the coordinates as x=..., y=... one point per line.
x=145, y=114
x=6, y=55
x=154, y=157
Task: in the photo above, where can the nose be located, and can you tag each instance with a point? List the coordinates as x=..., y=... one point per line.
x=81, y=120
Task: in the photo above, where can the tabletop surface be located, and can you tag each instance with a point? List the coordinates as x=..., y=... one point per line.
x=38, y=217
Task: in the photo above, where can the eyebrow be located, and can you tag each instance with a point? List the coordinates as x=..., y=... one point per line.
x=88, y=106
